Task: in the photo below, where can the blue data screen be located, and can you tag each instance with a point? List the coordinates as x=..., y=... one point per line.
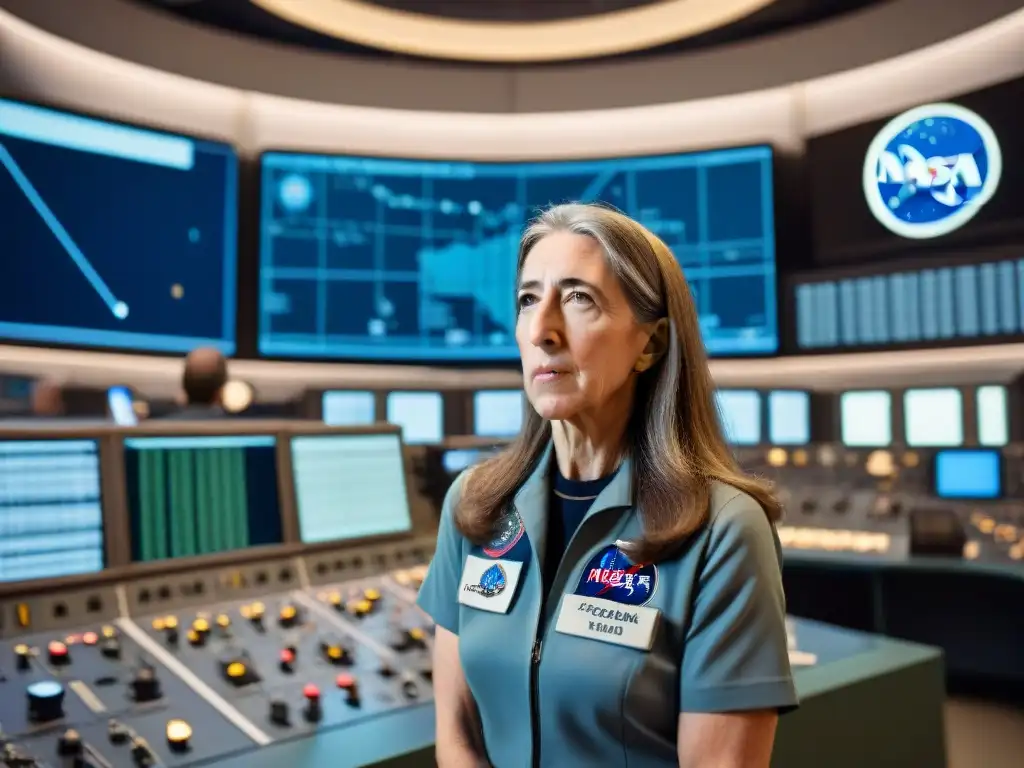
x=407, y=260
x=114, y=236
x=968, y=474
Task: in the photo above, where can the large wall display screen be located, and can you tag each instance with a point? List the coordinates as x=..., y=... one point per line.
x=114, y=236
x=935, y=175
x=386, y=259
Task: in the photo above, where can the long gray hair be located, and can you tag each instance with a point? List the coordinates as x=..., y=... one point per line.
x=674, y=435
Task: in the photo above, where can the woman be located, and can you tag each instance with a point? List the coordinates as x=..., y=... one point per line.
x=607, y=591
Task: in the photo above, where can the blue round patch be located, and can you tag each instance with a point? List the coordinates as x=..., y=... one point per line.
x=611, y=575
x=492, y=582
x=510, y=531
x=930, y=170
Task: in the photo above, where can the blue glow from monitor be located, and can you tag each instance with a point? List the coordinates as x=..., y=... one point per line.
x=740, y=410
x=342, y=408
x=115, y=236
x=789, y=417
x=968, y=474
x=419, y=414
x=497, y=413
x=865, y=419
x=409, y=260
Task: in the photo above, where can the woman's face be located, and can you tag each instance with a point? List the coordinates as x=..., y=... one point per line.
x=577, y=335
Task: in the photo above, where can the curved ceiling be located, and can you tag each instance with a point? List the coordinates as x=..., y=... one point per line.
x=507, y=31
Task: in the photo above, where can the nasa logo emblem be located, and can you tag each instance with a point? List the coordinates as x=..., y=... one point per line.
x=930, y=170
x=492, y=582
x=613, y=576
x=510, y=531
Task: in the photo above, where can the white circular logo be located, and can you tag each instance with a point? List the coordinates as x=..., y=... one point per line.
x=930, y=170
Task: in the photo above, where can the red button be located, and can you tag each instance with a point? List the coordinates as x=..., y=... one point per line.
x=90, y=638
x=57, y=648
x=287, y=657
x=345, y=680
x=311, y=692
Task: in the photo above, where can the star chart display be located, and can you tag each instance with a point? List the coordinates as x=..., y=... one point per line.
x=387, y=259
x=114, y=236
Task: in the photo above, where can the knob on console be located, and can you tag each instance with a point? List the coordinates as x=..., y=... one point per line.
x=45, y=701
x=178, y=734
x=313, y=711
x=288, y=616
x=22, y=657
x=145, y=685
x=279, y=714
x=70, y=744
x=58, y=653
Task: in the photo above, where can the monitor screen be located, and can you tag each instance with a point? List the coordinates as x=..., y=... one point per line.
x=419, y=414
x=968, y=474
x=200, y=495
x=865, y=419
x=121, y=407
x=115, y=236
x=993, y=416
x=933, y=417
x=349, y=486
x=410, y=260
x=344, y=408
x=51, y=511
x=740, y=411
x=789, y=417
x=498, y=412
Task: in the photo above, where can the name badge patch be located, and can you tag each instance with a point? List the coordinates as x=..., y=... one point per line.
x=597, y=619
x=489, y=584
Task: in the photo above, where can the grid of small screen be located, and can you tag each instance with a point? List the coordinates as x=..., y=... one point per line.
x=789, y=417
x=419, y=414
x=933, y=417
x=865, y=419
x=200, y=495
x=349, y=486
x=497, y=413
x=968, y=474
x=51, y=514
x=911, y=307
x=349, y=409
x=993, y=416
x=740, y=411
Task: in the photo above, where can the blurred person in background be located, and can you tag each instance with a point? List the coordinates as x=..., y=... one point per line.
x=206, y=373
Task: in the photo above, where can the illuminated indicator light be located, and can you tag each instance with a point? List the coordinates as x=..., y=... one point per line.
x=72, y=640
x=333, y=652
x=236, y=669
x=334, y=598
x=257, y=610
x=364, y=606
x=310, y=691
x=108, y=631
x=345, y=681
x=90, y=638
x=178, y=731
x=403, y=578
x=223, y=621
x=201, y=625
x=21, y=649
x=193, y=636
x=373, y=595
x=288, y=612
x=171, y=622
x=159, y=625
x=57, y=648
x=417, y=634
x=24, y=615
x=987, y=525
x=246, y=611
x=287, y=656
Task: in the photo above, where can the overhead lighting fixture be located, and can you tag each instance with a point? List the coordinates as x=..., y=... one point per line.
x=607, y=34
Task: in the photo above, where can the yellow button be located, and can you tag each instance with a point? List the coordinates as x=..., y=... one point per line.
x=158, y=625
x=417, y=634
x=334, y=598
x=373, y=595
x=236, y=669
x=288, y=612
x=333, y=652
x=21, y=649
x=178, y=731
x=171, y=622
x=257, y=610
x=193, y=636
x=108, y=631
x=364, y=606
x=201, y=625
x=246, y=611
x=223, y=621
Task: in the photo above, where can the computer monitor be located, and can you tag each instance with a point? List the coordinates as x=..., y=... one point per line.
x=51, y=508
x=201, y=494
x=968, y=474
x=740, y=411
x=865, y=419
x=114, y=235
x=419, y=414
x=120, y=405
x=933, y=417
x=349, y=486
x=349, y=408
x=789, y=417
x=993, y=416
x=498, y=412
x=414, y=260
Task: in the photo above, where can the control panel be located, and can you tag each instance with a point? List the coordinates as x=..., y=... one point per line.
x=888, y=503
x=197, y=667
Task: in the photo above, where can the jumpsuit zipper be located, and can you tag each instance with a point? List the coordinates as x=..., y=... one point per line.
x=534, y=702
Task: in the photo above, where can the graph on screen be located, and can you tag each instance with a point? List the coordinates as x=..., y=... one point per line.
x=51, y=514
x=191, y=496
x=114, y=236
x=368, y=258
